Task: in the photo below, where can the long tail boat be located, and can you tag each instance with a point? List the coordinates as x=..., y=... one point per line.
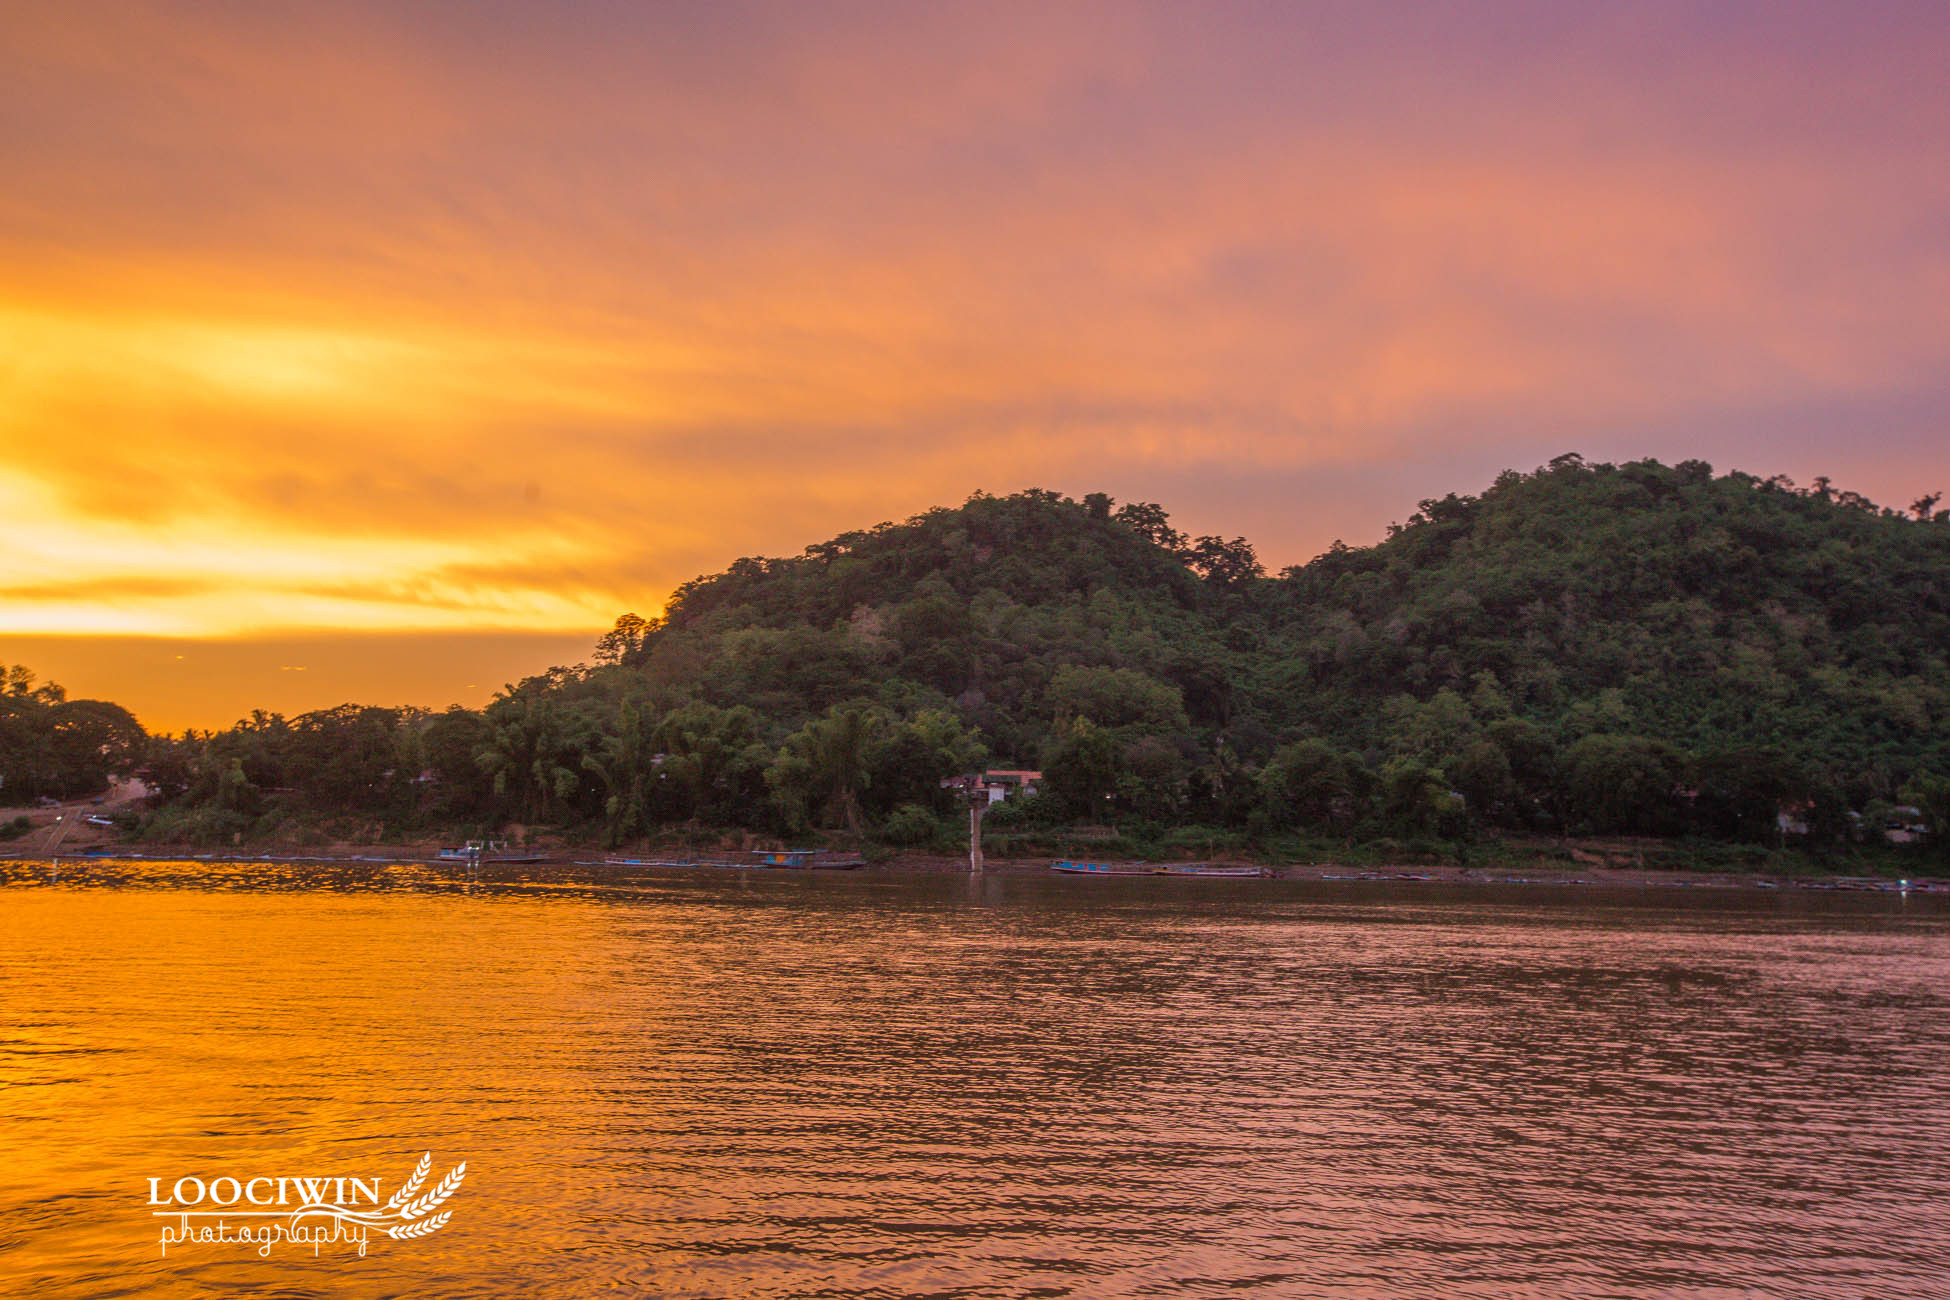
x=1106, y=869
x=1201, y=869
x=1218, y=873
x=804, y=860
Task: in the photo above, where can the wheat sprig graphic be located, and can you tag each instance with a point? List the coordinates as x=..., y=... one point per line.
x=412, y=1185
x=422, y=1228
x=441, y=1191
x=397, y=1217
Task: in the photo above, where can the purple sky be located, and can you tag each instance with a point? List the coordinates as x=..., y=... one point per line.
x=377, y=322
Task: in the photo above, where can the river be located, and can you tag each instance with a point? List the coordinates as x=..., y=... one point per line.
x=747, y=1083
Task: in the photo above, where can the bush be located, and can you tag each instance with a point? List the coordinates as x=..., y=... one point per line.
x=16, y=828
x=1201, y=839
x=910, y=824
x=211, y=826
x=1025, y=812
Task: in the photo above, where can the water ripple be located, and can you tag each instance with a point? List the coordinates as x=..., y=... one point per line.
x=749, y=1084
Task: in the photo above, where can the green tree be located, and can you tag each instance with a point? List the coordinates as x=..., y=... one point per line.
x=86, y=742
x=1149, y=521
x=714, y=769
x=1481, y=774
x=906, y=761
x=1083, y=769
x=1930, y=795
x=235, y=793
x=625, y=640
x=1417, y=799
x=827, y=760
x=1741, y=792
x=1225, y=563
x=625, y=762
x=449, y=742
x=532, y=753
x=1624, y=784
x=1309, y=784
x=1115, y=698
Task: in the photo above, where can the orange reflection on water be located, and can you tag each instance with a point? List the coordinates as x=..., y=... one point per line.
x=742, y=1083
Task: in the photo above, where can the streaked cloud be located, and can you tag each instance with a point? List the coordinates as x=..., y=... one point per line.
x=493, y=317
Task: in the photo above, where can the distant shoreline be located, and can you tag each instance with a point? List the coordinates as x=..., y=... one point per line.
x=1590, y=861
x=402, y=856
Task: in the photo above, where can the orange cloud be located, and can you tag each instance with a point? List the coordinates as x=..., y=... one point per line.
x=445, y=318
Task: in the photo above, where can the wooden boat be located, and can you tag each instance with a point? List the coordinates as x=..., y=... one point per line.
x=1105, y=869
x=788, y=862
x=670, y=862
x=652, y=862
x=464, y=855
x=1206, y=869
x=804, y=860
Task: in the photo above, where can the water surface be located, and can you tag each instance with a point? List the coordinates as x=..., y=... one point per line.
x=753, y=1083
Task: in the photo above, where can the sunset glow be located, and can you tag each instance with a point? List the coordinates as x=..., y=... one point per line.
x=381, y=320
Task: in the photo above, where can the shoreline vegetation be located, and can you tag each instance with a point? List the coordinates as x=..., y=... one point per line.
x=1588, y=668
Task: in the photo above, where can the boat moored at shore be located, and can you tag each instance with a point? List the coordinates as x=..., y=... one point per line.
x=1203, y=870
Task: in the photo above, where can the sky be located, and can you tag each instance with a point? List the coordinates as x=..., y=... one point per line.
x=389, y=351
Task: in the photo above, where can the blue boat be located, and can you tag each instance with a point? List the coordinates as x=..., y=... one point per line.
x=1106, y=869
x=670, y=862
x=803, y=860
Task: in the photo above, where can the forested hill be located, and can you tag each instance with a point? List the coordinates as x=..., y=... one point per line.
x=1664, y=602
x=1710, y=613
x=1586, y=648
x=1695, y=648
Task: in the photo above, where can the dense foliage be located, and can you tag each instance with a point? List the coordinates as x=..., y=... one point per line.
x=1636, y=648
x=54, y=747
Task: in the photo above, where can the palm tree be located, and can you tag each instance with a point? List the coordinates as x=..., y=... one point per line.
x=840, y=742
x=834, y=748
x=625, y=763
x=529, y=753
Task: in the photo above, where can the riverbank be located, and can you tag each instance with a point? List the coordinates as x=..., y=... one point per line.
x=106, y=829
x=419, y=856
